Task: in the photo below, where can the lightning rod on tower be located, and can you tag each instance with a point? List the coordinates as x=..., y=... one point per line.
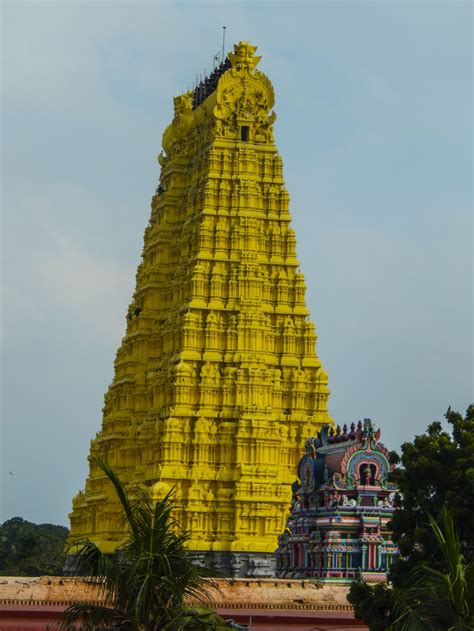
x=223, y=43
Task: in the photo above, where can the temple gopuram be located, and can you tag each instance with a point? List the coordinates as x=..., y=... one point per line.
x=341, y=506
x=217, y=383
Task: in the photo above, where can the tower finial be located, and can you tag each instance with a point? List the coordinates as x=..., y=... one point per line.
x=244, y=56
x=223, y=43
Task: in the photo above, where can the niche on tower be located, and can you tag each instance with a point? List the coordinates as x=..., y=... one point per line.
x=244, y=133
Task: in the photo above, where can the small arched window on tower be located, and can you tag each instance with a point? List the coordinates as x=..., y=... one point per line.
x=244, y=133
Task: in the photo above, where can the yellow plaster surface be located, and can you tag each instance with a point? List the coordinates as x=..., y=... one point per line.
x=217, y=383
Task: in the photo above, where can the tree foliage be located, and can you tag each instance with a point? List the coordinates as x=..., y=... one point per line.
x=433, y=599
x=28, y=549
x=145, y=583
x=437, y=471
x=372, y=604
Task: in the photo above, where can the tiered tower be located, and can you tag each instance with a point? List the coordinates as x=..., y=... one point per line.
x=217, y=383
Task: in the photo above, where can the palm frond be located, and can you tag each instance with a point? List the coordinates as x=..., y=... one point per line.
x=89, y=562
x=119, y=489
x=433, y=599
x=196, y=619
x=448, y=540
x=422, y=600
x=86, y=617
x=469, y=577
x=151, y=573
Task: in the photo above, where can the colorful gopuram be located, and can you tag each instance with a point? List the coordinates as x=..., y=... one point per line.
x=342, y=503
x=217, y=383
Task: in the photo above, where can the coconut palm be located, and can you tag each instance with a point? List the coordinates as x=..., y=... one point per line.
x=143, y=586
x=435, y=600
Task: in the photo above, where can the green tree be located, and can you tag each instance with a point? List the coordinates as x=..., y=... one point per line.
x=437, y=471
x=145, y=583
x=441, y=601
x=28, y=549
x=372, y=604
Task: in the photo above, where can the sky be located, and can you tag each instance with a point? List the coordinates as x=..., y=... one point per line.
x=373, y=103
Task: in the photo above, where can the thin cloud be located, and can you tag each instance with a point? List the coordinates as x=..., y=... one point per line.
x=373, y=104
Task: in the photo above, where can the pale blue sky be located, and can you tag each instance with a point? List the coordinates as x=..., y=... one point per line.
x=374, y=126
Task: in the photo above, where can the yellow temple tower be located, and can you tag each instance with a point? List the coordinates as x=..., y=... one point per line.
x=217, y=383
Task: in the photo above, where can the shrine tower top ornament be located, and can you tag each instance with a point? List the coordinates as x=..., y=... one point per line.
x=217, y=383
x=234, y=94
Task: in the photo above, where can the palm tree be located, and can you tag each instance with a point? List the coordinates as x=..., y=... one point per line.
x=435, y=600
x=143, y=585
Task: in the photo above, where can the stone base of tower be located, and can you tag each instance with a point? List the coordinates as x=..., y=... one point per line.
x=238, y=564
x=227, y=564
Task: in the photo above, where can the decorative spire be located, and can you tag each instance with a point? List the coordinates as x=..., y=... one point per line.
x=368, y=428
x=244, y=56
